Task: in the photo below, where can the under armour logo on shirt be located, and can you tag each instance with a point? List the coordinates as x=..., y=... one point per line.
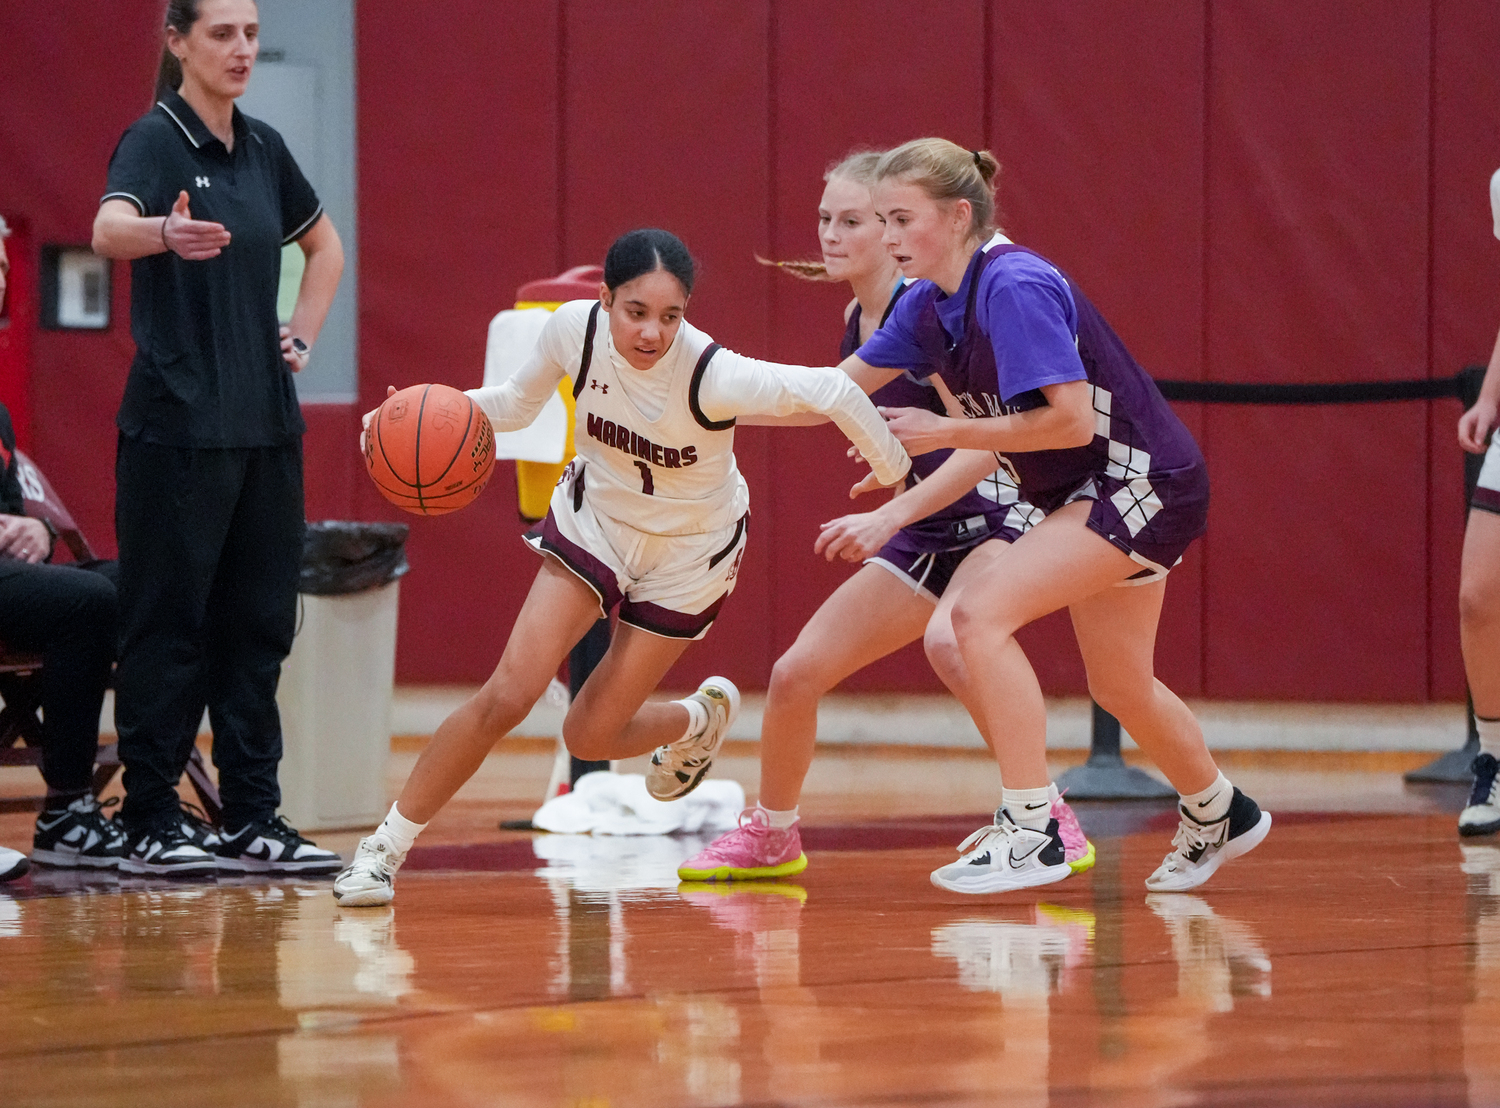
x=602, y=388
x=202, y=182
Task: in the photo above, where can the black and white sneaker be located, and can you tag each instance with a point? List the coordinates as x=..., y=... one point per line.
x=196, y=827
x=1199, y=849
x=1481, y=816
x=273, y=846
x=78, y=835
x=164, y=851
x=13, y=864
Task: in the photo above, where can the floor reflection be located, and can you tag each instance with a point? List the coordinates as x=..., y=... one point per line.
x=1218, y=959
x=1018, y=959
x=1481, y=1010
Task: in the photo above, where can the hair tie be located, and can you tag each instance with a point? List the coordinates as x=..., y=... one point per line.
x=978, y=164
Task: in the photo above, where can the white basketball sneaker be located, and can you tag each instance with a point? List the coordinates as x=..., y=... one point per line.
x=1003, y=857
x=677, y=768
x=369, y=880
x=1199, y=849
x=1481, y=816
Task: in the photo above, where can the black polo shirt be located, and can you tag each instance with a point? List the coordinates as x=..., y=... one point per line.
x=208, y=370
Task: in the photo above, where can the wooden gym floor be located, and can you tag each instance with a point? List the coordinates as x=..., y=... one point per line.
x=1354, y=959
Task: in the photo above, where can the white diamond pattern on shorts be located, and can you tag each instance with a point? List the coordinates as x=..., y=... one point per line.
x=1103, y=403
x=1000, y=487
x=1136, y=502
x=1127, y=462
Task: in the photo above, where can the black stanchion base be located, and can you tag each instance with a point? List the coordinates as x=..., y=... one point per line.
x=1453, y=768
x=1108, y=778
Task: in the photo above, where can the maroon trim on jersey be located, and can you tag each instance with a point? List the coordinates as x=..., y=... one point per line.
x=667, y=623
x=696, y=383
x=739, y=530
x=587, y=568
x=1486, y=500
x=588, y=352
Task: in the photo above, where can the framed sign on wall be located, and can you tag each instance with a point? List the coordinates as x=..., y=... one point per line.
x=75, y=289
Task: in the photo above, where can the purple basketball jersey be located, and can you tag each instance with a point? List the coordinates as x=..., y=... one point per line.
x=972, y=517
x=1143, y=467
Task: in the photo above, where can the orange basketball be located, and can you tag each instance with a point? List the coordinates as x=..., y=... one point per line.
x=429, y=449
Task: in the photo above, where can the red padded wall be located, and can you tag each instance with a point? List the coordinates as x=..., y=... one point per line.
x=1465, y=268
x=1317, y=254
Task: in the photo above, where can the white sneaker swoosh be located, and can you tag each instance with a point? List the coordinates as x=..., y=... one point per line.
x=1011, y=855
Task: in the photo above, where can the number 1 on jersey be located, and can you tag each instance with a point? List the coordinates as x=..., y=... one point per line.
x=647, y=485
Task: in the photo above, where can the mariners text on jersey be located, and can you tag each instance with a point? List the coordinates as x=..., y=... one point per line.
x=623, y=438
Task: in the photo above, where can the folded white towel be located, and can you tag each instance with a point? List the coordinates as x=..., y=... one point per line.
x=606, y=803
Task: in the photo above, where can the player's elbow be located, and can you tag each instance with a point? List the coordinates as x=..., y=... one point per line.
x=1078, y=430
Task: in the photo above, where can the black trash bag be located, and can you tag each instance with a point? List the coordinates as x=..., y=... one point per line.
x=340, y=557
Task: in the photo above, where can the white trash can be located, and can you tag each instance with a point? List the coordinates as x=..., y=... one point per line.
x=335, y=700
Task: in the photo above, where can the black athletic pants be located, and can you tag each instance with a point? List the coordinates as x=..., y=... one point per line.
x=210, y=553
x=67, y=615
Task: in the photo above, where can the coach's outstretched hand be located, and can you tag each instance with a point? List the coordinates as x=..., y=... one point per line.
x=196, y=240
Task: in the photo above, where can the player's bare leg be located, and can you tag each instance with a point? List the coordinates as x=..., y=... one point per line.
x=558, y=611
x=611, y=718
x=1054, y=564
x=947, y=661
x=1479, y=631
x=1116, y=631
x=870, y=615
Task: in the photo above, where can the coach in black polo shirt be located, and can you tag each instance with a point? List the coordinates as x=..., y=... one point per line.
x=208, y=508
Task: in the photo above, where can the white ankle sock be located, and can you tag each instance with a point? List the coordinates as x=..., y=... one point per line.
x=697, y=718
x=1489, y=736
x=1030, y=807
x=780, y=821
x=399, y=831
x=1212, y=803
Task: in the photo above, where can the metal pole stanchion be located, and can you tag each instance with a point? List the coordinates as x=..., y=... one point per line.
x=1105, y=776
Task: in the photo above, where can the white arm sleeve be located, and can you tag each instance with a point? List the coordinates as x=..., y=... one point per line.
x=515, y=402
x=736, y=385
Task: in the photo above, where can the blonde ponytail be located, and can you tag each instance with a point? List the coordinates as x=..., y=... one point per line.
x=948, y=172
x=858, y=166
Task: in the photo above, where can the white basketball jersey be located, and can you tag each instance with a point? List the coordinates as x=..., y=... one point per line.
x=674, y=475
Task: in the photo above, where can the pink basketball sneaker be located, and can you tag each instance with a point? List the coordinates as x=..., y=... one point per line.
x=754, y=849
x=1078, y=852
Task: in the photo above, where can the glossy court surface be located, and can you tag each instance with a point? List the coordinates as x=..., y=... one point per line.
x=1354, y=959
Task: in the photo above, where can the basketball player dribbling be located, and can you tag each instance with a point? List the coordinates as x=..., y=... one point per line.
x=1123, y=487
x=910, y=548
x=650, y=516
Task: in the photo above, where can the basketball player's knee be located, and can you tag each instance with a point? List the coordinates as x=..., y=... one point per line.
x=942, y=650
x=1478, y=606
x=974, y=630
x=796, y=676
x=1123, y=695
x=584, y=738
x=499, y=710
